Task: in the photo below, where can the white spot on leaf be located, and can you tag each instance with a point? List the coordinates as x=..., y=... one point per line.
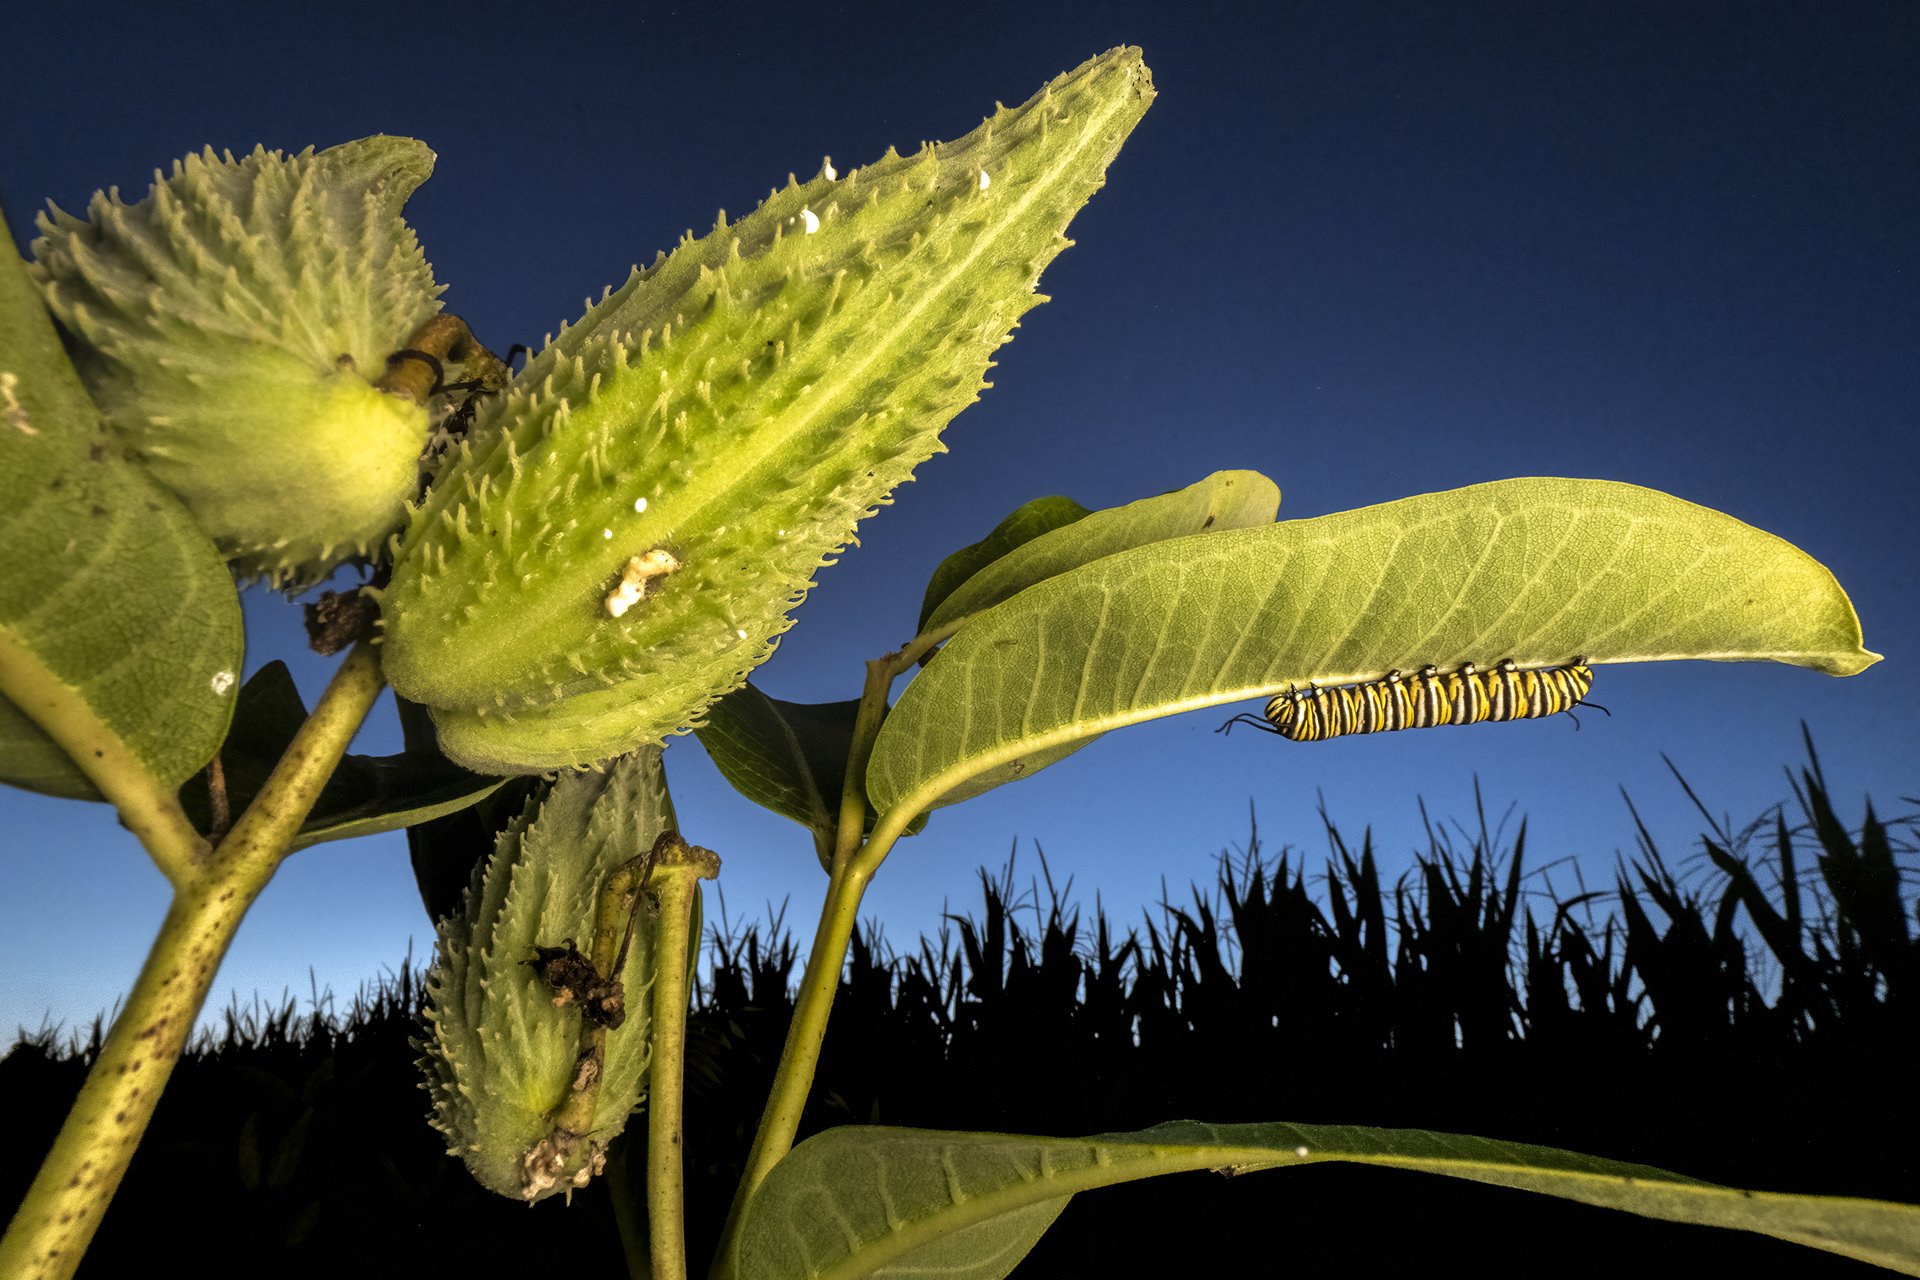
x=639, y=504
x=221, y=682
x=826, y=168
x=985, y=181
x=812, y=220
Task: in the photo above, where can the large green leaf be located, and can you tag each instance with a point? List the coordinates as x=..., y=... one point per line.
x=1224, y=500
x=870, y=1201
x=365, y=795
x=120, y=634
x=1537, y=570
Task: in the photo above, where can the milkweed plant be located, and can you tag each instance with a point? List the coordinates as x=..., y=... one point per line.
x=246, y=375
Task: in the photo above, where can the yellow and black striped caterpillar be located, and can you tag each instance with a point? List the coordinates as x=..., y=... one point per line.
x=1424, y=701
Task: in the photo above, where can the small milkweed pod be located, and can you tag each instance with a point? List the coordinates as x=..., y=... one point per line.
x=232, y=325
x=534, y=1058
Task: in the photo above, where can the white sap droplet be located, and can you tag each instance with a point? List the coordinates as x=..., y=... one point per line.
x=780, y=533
x=741, y=634
x=826, y=168
x=985, y=181
x=222, y=681
x=639, y=504
x=812, y=220
x=607, y=534
x=1301, y=1152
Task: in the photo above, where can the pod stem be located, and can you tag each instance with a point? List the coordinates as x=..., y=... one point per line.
x=678, y=870
x=603, y=997
x=62, y=1209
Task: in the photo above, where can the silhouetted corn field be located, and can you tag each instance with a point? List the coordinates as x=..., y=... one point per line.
x=1744, y=1013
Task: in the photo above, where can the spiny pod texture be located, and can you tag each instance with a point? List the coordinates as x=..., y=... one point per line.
x=230, y=327
x=502, y=1059
x=732, y=412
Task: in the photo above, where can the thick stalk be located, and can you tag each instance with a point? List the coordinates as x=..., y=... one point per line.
x=62, y=1209
x=793, y=1078
x=676, y=881
x=852, y=866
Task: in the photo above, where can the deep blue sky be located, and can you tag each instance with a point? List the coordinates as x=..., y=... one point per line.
x=1369, y=250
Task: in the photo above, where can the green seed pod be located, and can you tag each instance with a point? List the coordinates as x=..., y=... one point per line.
x=230, y=327
x=530, y=1079
x=629, y=527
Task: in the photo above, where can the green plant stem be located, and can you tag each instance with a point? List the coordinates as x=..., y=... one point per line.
x=612, y=924
x=799, y=1058
x=675, y=884
x=852, y=867
x=881, y=673
x=62, y=1209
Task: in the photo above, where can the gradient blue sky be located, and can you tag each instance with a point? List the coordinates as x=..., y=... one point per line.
x=1370, y=250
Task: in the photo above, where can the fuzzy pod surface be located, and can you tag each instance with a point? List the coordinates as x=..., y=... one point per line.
x=231, y=326
x=501, y=1059
x=734, y=410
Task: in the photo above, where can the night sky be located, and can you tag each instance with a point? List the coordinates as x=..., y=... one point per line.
x=1371, y=251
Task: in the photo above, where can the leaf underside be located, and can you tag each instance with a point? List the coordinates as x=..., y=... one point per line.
x=1541, y=571
x=119, y=626
x=871, y=1201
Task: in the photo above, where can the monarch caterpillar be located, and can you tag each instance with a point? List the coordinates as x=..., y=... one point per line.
x=1424, y=701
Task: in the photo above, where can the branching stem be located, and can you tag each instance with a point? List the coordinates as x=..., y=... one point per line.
x=854, y=863
x=62, y=1209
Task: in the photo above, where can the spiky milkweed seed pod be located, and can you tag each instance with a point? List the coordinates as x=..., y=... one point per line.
x=732, y=411
x=505, y=1050
x=231, y=326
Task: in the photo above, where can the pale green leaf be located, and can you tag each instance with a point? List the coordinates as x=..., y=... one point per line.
x=869, y=1201
x=1541, y=571
x=1224, y=500
x=120, y=633
x=1026, y=522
